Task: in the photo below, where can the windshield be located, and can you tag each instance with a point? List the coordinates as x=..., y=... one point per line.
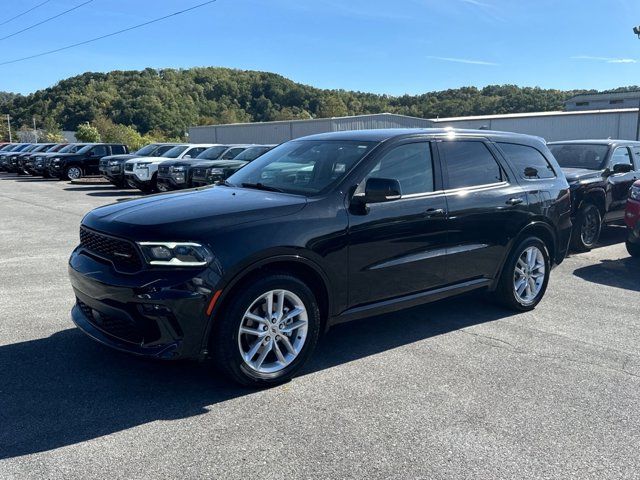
x=304, y=167
x=147, y=150
x=212, y=153
x=174, y=152
x=589, y=156
x=71, y=148
x=7, y=147
x=84, y=149
x=56, y=148
x=252, y=153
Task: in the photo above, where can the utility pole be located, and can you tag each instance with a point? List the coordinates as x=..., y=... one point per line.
x=636, y=31
x=35, y=131
x=9, y=125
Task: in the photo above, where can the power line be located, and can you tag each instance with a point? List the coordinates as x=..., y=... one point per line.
x=49, y=52
x=25, y=12
x=45, y=20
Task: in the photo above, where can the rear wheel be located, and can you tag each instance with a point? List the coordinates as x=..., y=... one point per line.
x=267, y=332
x=586, y=229
x=525, y=276
x=72, y=172
x=633, y=249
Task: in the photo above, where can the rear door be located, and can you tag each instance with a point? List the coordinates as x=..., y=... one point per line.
x=619, y=184
x=399, y=247
x=486, y=206
x=92, y=161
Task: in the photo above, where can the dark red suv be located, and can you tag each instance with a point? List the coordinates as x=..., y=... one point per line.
x=632, y=219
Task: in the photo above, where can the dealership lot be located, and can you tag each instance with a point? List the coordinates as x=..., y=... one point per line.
x=458, y=389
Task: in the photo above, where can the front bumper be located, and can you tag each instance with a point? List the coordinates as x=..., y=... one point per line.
x=153, y=313
x=135, y=182
x=113, y=173
x=170, y=183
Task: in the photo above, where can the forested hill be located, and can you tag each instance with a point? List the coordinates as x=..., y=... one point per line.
x=168, y=101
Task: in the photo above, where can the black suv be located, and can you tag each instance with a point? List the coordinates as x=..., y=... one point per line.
x=216, y=171
x=112, y=167
x=600, y=173
x=318, y=231
x=86, y=161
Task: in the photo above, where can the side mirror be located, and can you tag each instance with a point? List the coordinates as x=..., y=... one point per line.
x=622, y=168
x=378, y=190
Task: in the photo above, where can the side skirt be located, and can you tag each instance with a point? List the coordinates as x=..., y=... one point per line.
x=408, y=301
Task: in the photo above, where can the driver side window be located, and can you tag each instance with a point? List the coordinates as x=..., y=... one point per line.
x=411, y=164
x=621, y=156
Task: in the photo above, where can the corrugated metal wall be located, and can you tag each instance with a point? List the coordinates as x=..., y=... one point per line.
x=558, y=126
x=277, y=132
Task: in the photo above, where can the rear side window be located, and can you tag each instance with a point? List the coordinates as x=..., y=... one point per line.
x=621, y=156
x=99, y=150
x=117, y=149
x=636, y=154
x=194, y=152
x=528, y=162
x=233, y=153
x=469, y=164
x=410, y=164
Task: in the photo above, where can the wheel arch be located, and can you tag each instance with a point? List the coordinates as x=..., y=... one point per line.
x=301, y=267
x=595, y=197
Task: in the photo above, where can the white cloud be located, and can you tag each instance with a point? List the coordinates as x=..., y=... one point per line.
x=467, y=61
x=604, y=59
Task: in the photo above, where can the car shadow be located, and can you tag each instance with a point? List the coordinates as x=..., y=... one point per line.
x=119, y=193
x=91, y=188
x=612, y=234
x=65, y=388
x=36, y=179
x=621, y=273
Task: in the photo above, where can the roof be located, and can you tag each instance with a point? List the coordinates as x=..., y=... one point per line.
x=586, y=97
x=607, y=141
x=380, y=135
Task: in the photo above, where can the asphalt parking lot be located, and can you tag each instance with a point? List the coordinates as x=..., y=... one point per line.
x=457, y=389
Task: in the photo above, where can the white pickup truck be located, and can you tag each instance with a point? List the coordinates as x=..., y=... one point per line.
x=142, y=173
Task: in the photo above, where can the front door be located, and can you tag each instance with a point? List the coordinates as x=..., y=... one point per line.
x=619, y=184
x=398, y=247
x=92, y=162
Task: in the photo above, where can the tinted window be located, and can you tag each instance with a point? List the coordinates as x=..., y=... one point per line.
x=252, y=153
x=574, y=155
x=621, y=155
x=99, y=150
x=194, y=152
x=213, y=153
x=232, y=153
x=636, y=154
x=148, y=150
x=162, y=150
x=410, y=164
x=174, y=152
x=528, y=162
x=470, y=164
x=117, y=149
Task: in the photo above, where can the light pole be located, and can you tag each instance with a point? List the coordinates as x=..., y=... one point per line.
x=636, y=30
x=35, y=131
x=9, y=126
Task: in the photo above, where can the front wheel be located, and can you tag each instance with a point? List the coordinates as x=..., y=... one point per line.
x=267, y=332
x=633, y=249
x=72, y=173
x=586, y=230
x=525, y=275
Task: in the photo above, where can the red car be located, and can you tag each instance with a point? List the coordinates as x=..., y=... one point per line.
x=632, y=219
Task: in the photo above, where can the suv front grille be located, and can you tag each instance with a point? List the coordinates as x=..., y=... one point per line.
x=121, y=253
x=199, y=172
x=128, y=167
x=122, y=328
x=163, y=170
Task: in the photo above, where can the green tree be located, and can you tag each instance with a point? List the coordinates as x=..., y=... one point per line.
x=87, y=133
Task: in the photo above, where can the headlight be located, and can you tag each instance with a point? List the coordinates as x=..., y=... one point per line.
x=55, y=160
x=143, y=164
x=216, y=171
x=114, y=163
x=634, y=192
x=176, y=254
x=177, y=169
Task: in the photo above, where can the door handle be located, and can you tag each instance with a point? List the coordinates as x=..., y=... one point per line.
x=434, y=212
x=515, y=201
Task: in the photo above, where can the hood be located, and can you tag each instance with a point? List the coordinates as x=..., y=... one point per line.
x=579, y=174
x=150, y=159
x=221, y=163
x=191, y=214
x=122, y=157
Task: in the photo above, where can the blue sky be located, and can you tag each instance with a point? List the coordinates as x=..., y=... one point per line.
x=394, y=46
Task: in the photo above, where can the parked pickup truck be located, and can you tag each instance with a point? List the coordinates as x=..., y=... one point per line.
x=600, y=173
x=176, y=175
x=112, y=167
x=36, y=161
x=25, y=157
x=72, y=166
x=142, y=173
x=208, y=173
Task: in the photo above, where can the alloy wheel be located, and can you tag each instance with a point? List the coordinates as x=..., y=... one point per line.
x=589, y=227
x=273, y=331
x=529, y=275
x=74, y=173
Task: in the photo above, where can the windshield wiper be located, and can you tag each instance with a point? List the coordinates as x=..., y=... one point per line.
x=262, y=186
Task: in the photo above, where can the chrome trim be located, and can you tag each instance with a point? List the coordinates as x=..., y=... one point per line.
x=437, y=252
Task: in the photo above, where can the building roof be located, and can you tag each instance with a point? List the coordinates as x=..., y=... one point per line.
x=592, y=97
x=534, y=114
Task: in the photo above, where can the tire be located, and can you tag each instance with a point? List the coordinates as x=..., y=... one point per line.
x=152, y=187
x=586, y=229
x=507, y=294
x=227, y=340
x=633, y=249
x=72, y=172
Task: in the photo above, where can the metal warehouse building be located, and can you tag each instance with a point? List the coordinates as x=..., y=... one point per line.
x=609, y=123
